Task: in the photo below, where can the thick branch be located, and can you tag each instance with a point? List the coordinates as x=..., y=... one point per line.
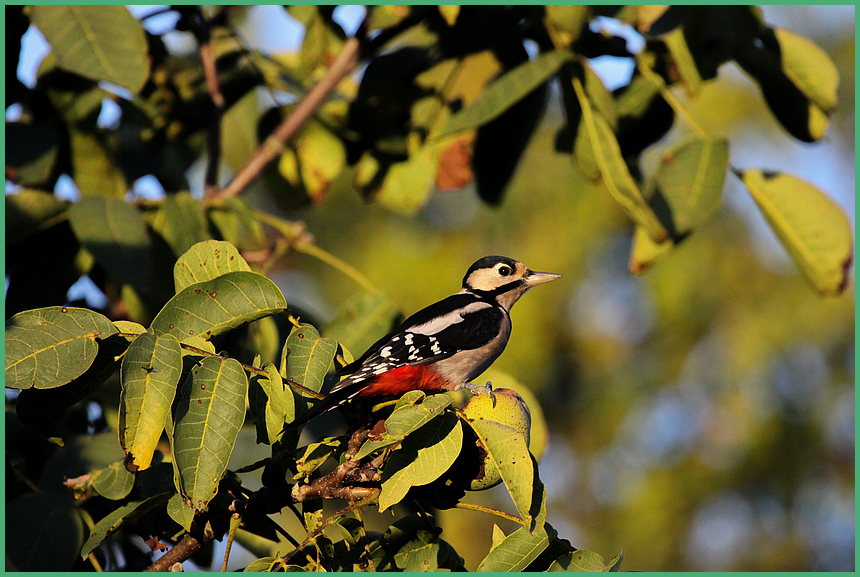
x=183, y=550
x=273, y=146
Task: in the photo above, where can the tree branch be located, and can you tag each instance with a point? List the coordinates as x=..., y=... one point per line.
x=345, y=62
x=183, y=550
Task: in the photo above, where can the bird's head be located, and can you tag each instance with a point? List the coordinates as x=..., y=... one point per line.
x=503, y=279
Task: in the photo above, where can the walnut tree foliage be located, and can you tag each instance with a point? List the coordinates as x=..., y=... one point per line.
x=196, y=342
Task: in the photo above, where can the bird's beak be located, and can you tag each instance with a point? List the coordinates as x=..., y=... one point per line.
x=536, y=278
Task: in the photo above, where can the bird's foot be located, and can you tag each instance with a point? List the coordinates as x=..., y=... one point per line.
x=483, y=390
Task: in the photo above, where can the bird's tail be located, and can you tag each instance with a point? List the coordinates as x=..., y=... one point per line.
x=339, y=396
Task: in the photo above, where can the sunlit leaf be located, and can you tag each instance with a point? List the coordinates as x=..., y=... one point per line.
x=516, y=551
x=209, y=413
x=809, y=68
x=813, y=229
x=645, y=251
x=116, y=518
x=115, y=233
x=567, y=21
x=421, y=458
x=505, y=91
x=180, y=512
x=271, y=405
x=181, y=222
x=684, y=61
x=313, y=160
x=49, y=347
x=212, y=307
x=99, y=42
x=150, y=372
x=309, y=357
x=582, y=560
x=205, y=261
x=411, y=412
x=316, y=454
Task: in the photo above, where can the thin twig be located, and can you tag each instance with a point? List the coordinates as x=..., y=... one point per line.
x=345, y=62
x=482, y=509
x=218, y=105
x=235, y=521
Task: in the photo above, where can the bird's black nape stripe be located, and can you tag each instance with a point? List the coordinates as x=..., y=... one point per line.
x=498, y=290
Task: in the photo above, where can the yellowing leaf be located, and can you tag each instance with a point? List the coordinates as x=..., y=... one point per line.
x=809, y=68
x=813, y=229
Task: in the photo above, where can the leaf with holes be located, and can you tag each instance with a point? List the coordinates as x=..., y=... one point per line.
x=115, y=233
x=812, y=228
x=212, y=307
x=209, y=412
x=99, y=42
x=205, y=261
x=117, y=518
x=421, y=458
x=48, y=347
x=150, y=372
x=408, y=416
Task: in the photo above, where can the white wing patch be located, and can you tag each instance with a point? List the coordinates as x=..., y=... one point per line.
x=439, y=323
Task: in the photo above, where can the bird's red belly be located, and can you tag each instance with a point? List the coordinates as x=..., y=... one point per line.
x=403, y=379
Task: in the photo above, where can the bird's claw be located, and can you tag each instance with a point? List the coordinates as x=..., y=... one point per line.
x=483, y=390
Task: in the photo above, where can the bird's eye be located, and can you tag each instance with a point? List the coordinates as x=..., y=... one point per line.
x=505, y=270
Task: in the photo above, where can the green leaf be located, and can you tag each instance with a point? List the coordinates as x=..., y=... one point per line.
x=207, y=260
x=181, y=221
x=264, y=339
x=29, y=211
x=421, y=458
x=809, y=68
x=212, y=307
x=508, y=450
x=316, y=454
x=234, y=220
x=616, y=176
x=420, y=554
x=271, y=405
x=404, y=186
x=42, y=534
x=150, y=372
x=210, y=411
x=48, y=347
x=362, y=319
x=684, y=61
x=308, y=357
x=117, y=518
x=180, y=512
x=113, y=482
x=581, y=560
x=505, y=91
x=95, y=171
x=99, y=42
x=646, y=251
x=40, y=410
x=115, y=233
x=31, y=161
x=517, y=550
x=409, y=415
x=690, y=180
x=813, y=229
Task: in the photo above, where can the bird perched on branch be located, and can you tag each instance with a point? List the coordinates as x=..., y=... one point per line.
x=444, y=346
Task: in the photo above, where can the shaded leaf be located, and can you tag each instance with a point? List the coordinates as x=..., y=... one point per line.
x=212, y=307
x=48, y=347
x=181, y=222
x=422, y=458
x=150, y=372
x=517, y=550
x=94, y=170
x=813, y=229
x=99, y=42
x=237, y=225
x=505, y=91
x=207, y=260
x=271, y=405
x=113, y=482
x=30, y=161
x=690, y=180
x=115, y=233
x=209, y=413
x=180, y=512
x=117, y=518
x=45, y=536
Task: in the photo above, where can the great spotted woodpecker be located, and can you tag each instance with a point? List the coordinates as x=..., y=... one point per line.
x=444, y=346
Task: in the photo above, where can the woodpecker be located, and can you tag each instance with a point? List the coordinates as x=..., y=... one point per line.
x=441, y=347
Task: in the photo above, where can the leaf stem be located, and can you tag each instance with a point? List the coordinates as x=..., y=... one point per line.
x=482, y=509
x=235, y=520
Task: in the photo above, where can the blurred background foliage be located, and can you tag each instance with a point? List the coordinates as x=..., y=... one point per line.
x=701, y=416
